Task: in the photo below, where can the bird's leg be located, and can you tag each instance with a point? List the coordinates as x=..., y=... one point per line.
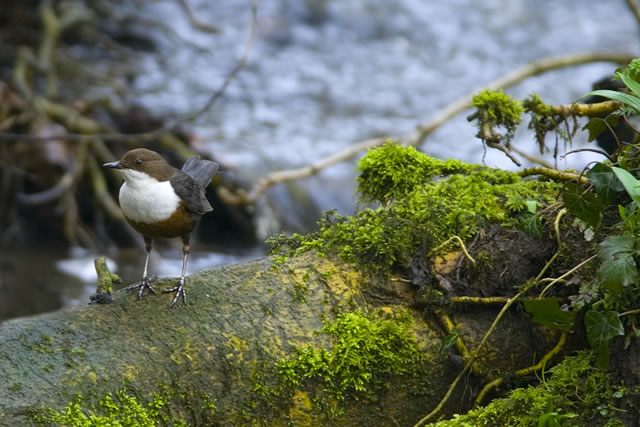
x=146, y=280
x=179, y=289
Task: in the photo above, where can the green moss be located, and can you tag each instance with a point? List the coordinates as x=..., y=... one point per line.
x=366, y=350
x=534, y=104
x=121, y=409
x=484, y=261
x=576, y=394
x=417, y=209
x=501, y=109
x=393, y=172
x=300, y=291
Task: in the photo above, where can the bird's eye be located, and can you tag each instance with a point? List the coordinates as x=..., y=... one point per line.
x=138, y=161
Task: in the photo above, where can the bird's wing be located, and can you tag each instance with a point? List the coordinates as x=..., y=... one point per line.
x=191, y=193
x=200, y=170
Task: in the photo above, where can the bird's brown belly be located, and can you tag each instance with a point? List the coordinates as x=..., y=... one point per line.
x=178, y=224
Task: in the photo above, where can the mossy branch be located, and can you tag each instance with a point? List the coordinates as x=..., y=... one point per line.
x=486, y=300
x=554, y=174
x=534, y=105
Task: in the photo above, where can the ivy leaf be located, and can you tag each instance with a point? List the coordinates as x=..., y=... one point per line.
x=532, y=224
x=547, y=312
x=630, y=183
x=618, y=272
x=584, y=205
x=605, y=182
x=597, y=125
x=618, y=268
x=616, y=245
x=601, y=327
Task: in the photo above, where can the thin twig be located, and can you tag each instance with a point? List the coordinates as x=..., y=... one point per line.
x=462, y=246
x=195, y=22
x=232, y=75
x=594, y=150
x=567, y=274
x=525, y=371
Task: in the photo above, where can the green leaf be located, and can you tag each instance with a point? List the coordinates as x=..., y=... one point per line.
x=531, y=224
x=605, y=182
x=547, y=312
x=532, y=206
x=597, y=125
x=450, y=340
x=613, y=246
x=601, y=327
x=618, y=268
x=625, y=98
x=630, y=83
x=618, y=272
x=584, y=205
x=630, y=183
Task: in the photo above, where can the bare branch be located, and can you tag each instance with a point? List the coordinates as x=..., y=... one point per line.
x=195, y=22
x=425, y=128
x=633, y=6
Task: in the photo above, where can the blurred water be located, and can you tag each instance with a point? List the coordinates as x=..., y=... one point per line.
x=323, y=74
x=326, y=74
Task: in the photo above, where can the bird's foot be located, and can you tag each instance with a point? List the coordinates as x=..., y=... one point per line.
x=179, y=290
x=143, y=284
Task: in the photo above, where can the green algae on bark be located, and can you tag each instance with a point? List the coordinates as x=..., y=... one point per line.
x=366, y=350
x=240, y=321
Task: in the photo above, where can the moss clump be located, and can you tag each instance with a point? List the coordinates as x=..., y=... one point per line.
x=120, y=409
x=577, y=394
x=500, y=108
x=633, y=70
x=366, y=350
x=394, y=171
x=424, y=212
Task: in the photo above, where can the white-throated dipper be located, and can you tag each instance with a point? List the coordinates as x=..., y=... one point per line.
x=159, y=200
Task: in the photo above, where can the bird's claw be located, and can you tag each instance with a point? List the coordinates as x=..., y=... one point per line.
x=143, y=284
x=179, y=290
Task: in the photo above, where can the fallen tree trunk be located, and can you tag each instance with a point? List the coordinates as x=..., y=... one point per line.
x=222, y=349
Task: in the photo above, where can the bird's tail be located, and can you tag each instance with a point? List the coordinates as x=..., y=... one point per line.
x=200, y=170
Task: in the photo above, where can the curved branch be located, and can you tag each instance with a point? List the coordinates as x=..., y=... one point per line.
x=195, y=22
x=426, y=128
x=633, y=6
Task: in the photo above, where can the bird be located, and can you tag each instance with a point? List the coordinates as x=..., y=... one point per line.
x=158, y=200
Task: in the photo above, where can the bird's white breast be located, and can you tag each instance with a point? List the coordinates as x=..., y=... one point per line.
x=145, y=199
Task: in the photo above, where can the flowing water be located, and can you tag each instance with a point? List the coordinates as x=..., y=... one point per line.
x=324, y=74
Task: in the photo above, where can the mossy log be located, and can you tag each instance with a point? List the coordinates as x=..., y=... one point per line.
x=239, y=322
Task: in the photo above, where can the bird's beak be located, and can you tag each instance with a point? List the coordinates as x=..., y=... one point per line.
x=113, y=165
